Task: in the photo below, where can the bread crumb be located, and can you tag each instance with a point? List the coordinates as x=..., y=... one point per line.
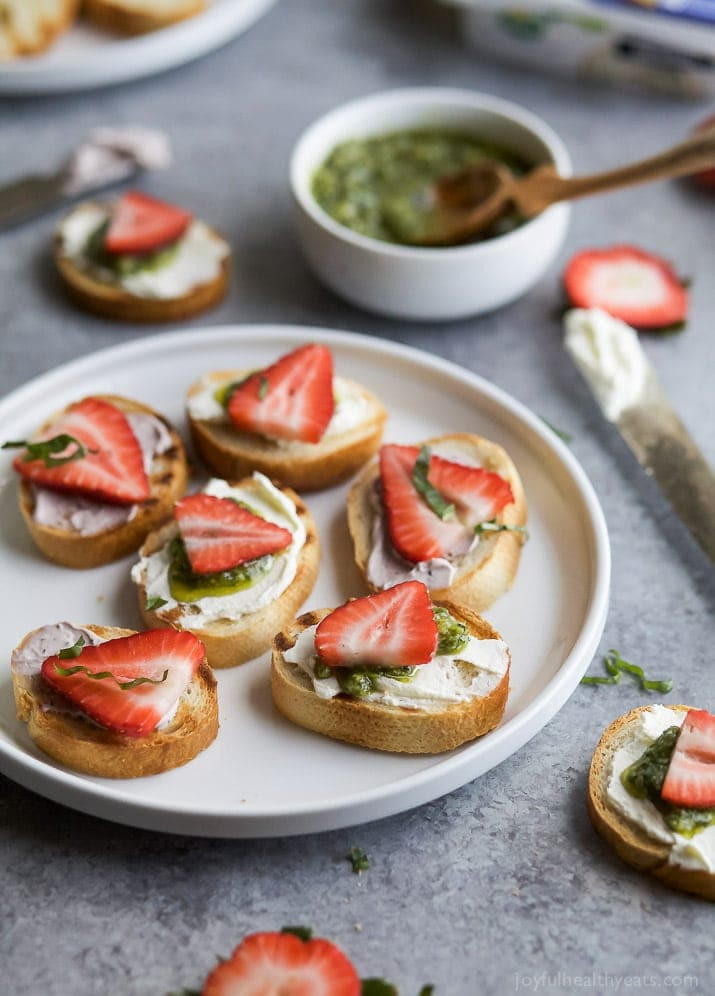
x=358, y=927
x=100, y=598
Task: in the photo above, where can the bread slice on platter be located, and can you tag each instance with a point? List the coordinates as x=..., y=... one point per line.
x=135, y=17
x=28, y=27
x=393, y=720
x=635, y=827
x=234, y=626
x=106, y=741
x=479, y=480
x=77, y=530
x=139, y=259
x=334, y=424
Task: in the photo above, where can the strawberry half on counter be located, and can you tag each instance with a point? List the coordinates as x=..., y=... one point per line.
x=273, y=963
x=690, y=779
x=142, y=224
x=638, y=287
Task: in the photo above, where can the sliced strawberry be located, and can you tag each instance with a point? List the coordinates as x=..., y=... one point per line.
x=417, y=533
x=638, y=287
x=112, y=470
x=395, y=628
x=219, y=534
x=292, y=399
x=277, y=964
x=690, y=780
x=136, y=711
x=143, y=224
x=478, y=494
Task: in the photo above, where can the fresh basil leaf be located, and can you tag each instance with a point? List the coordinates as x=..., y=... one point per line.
x=426, y=990
x=46, y=449
x=377, y=987
x=304, y=933
x=492, y=526
x=359, y=859
x=262, y=388
x=436, y=501
x=70, y=652
x=566, y=437
x=155, y=602
x=125, y=686
x=615, y=665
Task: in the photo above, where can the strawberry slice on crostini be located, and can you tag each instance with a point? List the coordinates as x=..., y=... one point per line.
x=219, y=534
x=690, y=779
x=129, y=684
x=478, y=494
x=394, y=628
x=142, y=224
x=272, y=963
x=110, y=469
x=640, y=288
x=292, y=399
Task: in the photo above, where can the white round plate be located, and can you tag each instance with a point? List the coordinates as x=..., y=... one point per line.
x=85, y=57
x=263, y=776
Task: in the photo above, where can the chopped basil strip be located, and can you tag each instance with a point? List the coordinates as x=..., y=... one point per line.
x=377, y=987
x=426, y=990
x=155, y=602
x=74, y=651
x=125, y=686
x=46, y=449
x=262, y=388
x=304, y=933
x=492, y=526
x=223, y=394
x=565, y=436
x=615, y=665
x=436, y=501
x=358, y=859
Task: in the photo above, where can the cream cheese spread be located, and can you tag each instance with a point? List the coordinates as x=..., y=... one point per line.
x=271, y=504
x=73, y=513
x=445, y=680
x=609, y=355
x=697, y=851
x=198, y=259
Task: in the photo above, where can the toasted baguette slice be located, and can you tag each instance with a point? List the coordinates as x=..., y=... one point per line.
x=384, y=727
x=28, y=27
x=487, y=571
x=303, y=466
x=84, y=746
x=135, y=17
x=628, y=840
x=232, y=642
x=168, y=480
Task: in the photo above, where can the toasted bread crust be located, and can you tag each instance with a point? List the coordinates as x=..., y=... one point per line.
x=232, y=642
x=112, y=301
x=492, y=569
x=629, y=841
x=13, y=44
x=168, y=481
x=92, y=750
x=384, y=727
x=114, y=15
x=306, y=466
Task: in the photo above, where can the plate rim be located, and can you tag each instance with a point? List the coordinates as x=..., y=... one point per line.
x=98, y=798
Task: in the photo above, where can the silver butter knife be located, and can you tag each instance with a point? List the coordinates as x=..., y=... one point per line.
x=626, y=387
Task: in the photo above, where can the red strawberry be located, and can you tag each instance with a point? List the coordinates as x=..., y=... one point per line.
x=637, y=287
x=142, y=224
x=395, y=628
x=273, y=964
x=134, y=712
x=690, y=780
x=219, y=534
x=478, y=494
x=707, y=177
x=113, y=468
x=292, y=399
x=417, y=533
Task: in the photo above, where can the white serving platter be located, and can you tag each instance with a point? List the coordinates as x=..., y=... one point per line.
x=263, y=776
x=85, y=57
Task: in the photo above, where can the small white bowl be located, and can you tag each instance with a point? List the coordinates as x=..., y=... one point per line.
x=428, y=284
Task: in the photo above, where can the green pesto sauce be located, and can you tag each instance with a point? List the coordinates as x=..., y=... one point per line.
x=187, y=586
x=644, y=780
x=368, y=185
x=453, y=635
x=125, y=264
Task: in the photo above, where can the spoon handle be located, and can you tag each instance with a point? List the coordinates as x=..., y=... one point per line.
x=695, y=154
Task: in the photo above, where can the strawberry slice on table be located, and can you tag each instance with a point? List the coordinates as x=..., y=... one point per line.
x=640, y=288
x=292, y=399
x=92, y=679
x=112, y=467
x=690, y=779
x=478, y=494
x=219, y=534
x=141, y=224
x=394, y=628
x=269, y=964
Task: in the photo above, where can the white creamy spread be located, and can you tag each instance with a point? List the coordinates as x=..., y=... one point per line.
x=46, y=642
x=108, y=155
x=271, y=504
x=697, y=851
x=609, y=355
x=197, y=261
x=73, y=513
x=351, y=406
x=439, y=683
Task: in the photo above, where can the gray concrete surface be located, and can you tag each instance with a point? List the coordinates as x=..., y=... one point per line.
x=501, y=886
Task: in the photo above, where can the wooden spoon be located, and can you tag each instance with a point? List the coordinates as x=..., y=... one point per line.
x=464, y=205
